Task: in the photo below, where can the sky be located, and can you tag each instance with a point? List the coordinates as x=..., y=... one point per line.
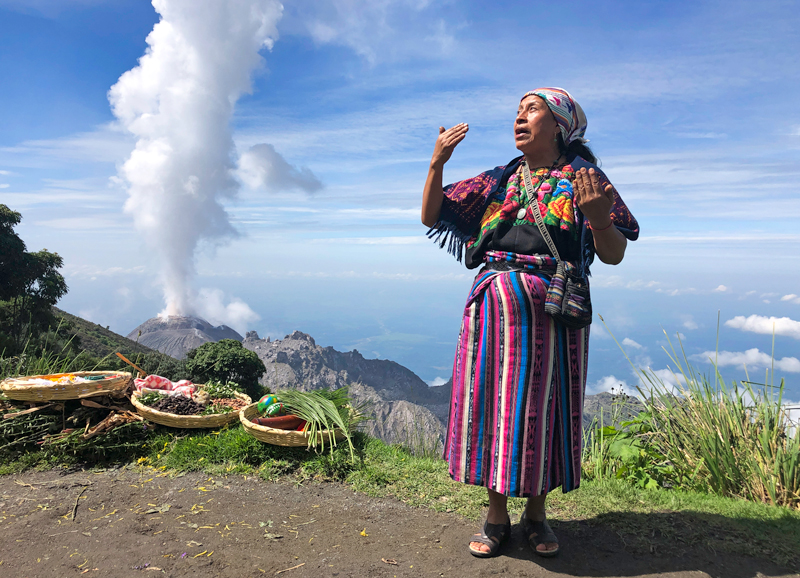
x=691, y=108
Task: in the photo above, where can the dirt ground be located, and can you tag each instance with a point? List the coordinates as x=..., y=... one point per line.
x=129, y=522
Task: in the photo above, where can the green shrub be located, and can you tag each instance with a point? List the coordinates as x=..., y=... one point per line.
x=226, y=360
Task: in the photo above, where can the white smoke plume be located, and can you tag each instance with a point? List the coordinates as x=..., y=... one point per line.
x=210, y=305
x=178, y=103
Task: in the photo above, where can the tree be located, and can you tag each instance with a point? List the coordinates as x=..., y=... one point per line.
x=12, y=251
x=226, y=360
x=30, y=285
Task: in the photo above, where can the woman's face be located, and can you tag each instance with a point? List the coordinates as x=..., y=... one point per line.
x=534, y=128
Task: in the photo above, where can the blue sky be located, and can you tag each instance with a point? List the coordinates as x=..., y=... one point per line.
x=691, y=108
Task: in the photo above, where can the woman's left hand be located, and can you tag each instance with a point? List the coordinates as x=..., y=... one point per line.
x=593, y=198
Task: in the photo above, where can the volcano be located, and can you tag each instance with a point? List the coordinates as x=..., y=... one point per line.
x=175, y=335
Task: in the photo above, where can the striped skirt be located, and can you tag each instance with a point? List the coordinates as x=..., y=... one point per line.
x=516, y=407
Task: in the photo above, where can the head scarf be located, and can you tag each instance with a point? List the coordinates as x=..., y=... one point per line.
x=568, y=113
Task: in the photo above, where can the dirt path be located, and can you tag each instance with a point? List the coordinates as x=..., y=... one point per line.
x=237, y=527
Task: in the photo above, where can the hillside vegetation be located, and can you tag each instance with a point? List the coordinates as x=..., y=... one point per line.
x=99, y=341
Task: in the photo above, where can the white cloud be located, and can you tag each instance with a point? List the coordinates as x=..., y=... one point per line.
x=631, y=343
x=689, y=323
x=604, y=384
x=92, y=272
x=670, y=380
x=4, y=185
x=676, y=292
x=48, y=8
x=105, y=144
x=751, y=358
x=210, y=305
x=438, y=381
x=416, y=240
x=263, y=166
x=717, y=239
x=712, y=135
x=766, y=325
x=108, y=223
x=617, y=281
x=721, y=289
x=5, y=173
x=368, y=275
x=373, y=29
x=791, y=298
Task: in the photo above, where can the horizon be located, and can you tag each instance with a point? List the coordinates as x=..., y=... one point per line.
x=681, y=101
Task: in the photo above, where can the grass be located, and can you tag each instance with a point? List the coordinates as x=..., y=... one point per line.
x=701, y=433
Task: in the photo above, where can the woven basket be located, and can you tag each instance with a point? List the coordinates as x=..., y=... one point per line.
x=280, y=437
x=186, y=421
x=23, y=388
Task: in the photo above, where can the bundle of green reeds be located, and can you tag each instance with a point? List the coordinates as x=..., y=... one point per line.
x=323, y=410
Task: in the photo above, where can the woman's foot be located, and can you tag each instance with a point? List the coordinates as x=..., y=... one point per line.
x=497, y=515
x=492, y=536
x=539, y=534
x=493, y=518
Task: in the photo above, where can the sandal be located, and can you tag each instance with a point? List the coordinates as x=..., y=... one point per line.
x=538, y=533
x=493, y=536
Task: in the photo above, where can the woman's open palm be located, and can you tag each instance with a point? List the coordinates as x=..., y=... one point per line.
x=446, y=143
x=593, y=196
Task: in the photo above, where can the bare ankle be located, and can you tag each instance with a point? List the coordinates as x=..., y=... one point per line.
x=535, y=515
x=497, y=517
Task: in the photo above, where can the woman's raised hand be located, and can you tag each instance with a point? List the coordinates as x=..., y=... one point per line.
x=593, y=198
x=446, y=143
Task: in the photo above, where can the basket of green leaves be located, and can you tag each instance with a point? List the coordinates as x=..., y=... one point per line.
x=327, y=417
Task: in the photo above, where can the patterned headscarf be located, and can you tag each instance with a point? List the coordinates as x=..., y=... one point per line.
x=569, y=114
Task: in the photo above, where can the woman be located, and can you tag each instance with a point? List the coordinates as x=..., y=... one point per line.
x=519, y=376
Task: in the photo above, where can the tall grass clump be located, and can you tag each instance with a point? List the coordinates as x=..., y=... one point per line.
x=732, y=439
x=45, y=361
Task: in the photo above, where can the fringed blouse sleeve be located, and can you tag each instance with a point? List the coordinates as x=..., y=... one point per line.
x=623, y=219
x=462, y=208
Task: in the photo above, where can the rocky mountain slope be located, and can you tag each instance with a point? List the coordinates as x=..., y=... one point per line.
x=610, y=407
x=176, y=335
x=403, y=407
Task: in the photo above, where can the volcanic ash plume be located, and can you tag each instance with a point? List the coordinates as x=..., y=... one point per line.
x=178, y=103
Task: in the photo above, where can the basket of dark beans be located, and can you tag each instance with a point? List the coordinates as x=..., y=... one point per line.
x=211, y=405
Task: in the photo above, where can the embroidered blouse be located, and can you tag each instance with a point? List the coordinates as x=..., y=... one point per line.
x=482, y=214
